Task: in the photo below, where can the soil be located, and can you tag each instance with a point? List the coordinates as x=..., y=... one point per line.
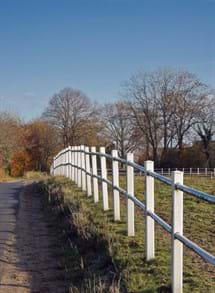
x=30, y=259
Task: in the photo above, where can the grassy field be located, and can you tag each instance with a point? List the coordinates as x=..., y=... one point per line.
x=127, y=254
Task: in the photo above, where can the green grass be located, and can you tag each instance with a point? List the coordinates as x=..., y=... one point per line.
x=86, y=250
x=128, y=253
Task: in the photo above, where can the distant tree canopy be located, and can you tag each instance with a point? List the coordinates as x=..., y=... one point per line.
x=166, y=105
x=118, y=131
x=167, y=116
x=26, y=146
x=41, y=144
x=73, y=115
x=11, y=138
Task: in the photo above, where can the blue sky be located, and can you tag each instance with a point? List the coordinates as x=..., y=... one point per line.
x=94, y=45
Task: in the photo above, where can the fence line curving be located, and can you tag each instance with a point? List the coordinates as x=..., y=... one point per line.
x=80, y=164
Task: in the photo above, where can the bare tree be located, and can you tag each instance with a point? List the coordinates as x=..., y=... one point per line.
x=190, y=98
x=69, y=111
x=205, y=128
x=165, y=105
x=118, y=129
x=152, y=105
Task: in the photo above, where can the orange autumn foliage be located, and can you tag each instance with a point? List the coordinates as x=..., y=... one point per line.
x=41, y=143
x=20, y=163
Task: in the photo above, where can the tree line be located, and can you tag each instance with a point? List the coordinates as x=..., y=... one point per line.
x=166, y=115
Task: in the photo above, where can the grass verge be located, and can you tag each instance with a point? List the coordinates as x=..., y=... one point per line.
x=88, y=259
x=101, y=258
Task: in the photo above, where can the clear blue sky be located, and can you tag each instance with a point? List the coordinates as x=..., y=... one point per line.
x=94, y=45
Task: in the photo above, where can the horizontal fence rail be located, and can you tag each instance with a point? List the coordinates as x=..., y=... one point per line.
x=201, y=172
x=80, y=164
x=191, y=172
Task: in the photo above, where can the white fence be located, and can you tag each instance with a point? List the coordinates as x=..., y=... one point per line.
x=80, y=164
x=191, y=172
x=201, y=172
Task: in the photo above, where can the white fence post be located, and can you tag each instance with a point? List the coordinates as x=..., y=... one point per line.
x=149, y=197
x=76, y=164
x=79, y=166
x=104, y=176
x=60, y=162
x=130, y=191
x=73, y=163
x=69, y=162
x=115, y=181
x=88, y=170
x=64, y=162
x=94, y=171
x=83, y=173
x=177, y=227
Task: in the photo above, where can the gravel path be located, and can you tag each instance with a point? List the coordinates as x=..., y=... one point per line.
x=29, y=257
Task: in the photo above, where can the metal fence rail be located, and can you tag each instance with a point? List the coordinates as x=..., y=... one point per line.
x=81, y=165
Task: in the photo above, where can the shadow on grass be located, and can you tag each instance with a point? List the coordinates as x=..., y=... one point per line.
x=88, y=260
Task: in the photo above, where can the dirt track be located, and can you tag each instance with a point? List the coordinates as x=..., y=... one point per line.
x=29, y=258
